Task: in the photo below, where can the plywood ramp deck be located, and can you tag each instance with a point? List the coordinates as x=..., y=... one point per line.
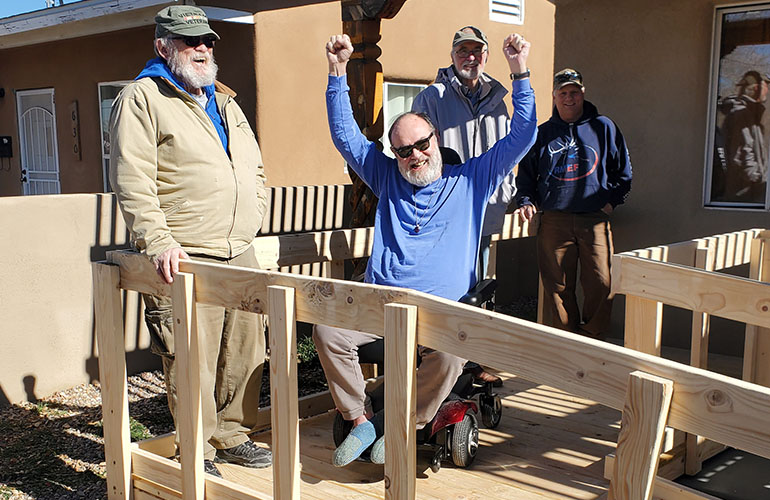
x=549, y=444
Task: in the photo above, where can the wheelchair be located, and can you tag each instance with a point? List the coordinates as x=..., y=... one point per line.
x=454, y=432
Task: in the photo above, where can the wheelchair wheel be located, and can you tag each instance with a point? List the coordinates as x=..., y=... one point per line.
x=465, y=441
x=341, y=429
x=435, y=462
x=491, y=411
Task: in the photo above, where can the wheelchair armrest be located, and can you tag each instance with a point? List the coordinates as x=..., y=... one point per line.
x=482, y=292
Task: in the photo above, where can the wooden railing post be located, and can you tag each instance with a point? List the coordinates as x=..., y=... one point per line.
x=757, y=344
x=188, y=410
x=401, y=395
x=699, y=342
x=284, y=413
x=108, y=314
x=642, y=427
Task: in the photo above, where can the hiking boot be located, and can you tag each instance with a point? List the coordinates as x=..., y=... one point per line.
x=210, y=468
x=245, y=454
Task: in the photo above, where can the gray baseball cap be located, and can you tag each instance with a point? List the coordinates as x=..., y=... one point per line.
x=182, y=20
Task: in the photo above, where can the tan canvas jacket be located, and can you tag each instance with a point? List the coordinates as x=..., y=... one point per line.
x=175, y=183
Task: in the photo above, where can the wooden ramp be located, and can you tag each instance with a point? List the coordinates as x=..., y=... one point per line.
x=549, y=445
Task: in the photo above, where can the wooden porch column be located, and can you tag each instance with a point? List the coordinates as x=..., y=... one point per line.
x=361, y=22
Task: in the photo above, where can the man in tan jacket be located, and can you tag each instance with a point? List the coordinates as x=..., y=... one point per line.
x=188, y=174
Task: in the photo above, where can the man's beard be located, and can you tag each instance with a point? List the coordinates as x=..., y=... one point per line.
x=190, y=77
x=468, y=73
x=427, y=174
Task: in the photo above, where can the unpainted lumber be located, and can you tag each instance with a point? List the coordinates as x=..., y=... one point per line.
x=730, y=297
x=112, y=375
x=663, y=489
x=641, y=436
x=643, y=325
x=150, y=467
x=283, y=393
x=721, y=408
x=401, y=395
x=188, y=410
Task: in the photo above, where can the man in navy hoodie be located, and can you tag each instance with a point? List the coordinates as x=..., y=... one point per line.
x=426, y=232
x=576, y=174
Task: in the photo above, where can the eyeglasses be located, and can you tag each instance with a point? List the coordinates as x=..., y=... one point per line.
x=465, y=53
x=194, y=41
x=406, y=151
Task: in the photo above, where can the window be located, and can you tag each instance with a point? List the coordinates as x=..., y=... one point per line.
x=107, y=94
x=738, y=123
x=397, y=99
x=506, y=11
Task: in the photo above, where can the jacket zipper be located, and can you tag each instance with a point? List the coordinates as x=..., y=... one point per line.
x=235, y=181
x=185, y=95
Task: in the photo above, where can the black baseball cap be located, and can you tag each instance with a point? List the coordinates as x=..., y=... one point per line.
x=567, y=76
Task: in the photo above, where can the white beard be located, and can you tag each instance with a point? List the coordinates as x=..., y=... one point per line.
x=468, y=73
x=191, y=77
x=426, y=175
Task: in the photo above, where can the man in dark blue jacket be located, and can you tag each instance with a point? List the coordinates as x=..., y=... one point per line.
x=577, y=172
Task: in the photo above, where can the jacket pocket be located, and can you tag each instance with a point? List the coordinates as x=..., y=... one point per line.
x=175, y=207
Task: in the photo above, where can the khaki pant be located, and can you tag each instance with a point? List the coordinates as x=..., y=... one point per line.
x=232, y=355
x=338, y=351
x=564, y=241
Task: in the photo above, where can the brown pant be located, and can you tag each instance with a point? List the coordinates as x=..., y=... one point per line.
x=232, y=355
x=565, y=240
x=338, y=351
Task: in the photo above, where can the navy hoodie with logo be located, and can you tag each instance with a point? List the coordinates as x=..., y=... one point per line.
x=575, y=167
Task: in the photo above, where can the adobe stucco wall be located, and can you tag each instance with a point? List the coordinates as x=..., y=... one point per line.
x=46, y=312
x=646, y=65
x=292, y=71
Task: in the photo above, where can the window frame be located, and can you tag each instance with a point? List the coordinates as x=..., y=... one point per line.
x=720, y=12
x=104, y=129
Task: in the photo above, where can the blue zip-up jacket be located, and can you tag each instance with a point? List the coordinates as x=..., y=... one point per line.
x=575, y=167
x=158, y=68
x=441, y=257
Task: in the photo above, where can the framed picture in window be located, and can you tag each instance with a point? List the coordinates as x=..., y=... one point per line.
x=738, y=138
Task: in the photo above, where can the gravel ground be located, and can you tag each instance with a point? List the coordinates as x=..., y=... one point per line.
x=53, y=448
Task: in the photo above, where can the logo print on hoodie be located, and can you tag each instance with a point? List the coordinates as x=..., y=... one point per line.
x=568, y=163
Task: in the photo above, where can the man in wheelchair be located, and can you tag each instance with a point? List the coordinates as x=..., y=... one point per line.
x=427, y=233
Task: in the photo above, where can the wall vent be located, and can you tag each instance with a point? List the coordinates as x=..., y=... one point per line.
x=506, y=11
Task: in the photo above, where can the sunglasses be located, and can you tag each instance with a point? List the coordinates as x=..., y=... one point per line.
x=406, y=151
x=194, y=41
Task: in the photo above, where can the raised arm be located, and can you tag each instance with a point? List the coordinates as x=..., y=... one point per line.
x=360, y=153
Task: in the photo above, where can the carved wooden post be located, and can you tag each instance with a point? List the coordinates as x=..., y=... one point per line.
x=361, y=22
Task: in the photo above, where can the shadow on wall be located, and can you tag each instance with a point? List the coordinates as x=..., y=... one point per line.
x=111, y=234
x=29, y=389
